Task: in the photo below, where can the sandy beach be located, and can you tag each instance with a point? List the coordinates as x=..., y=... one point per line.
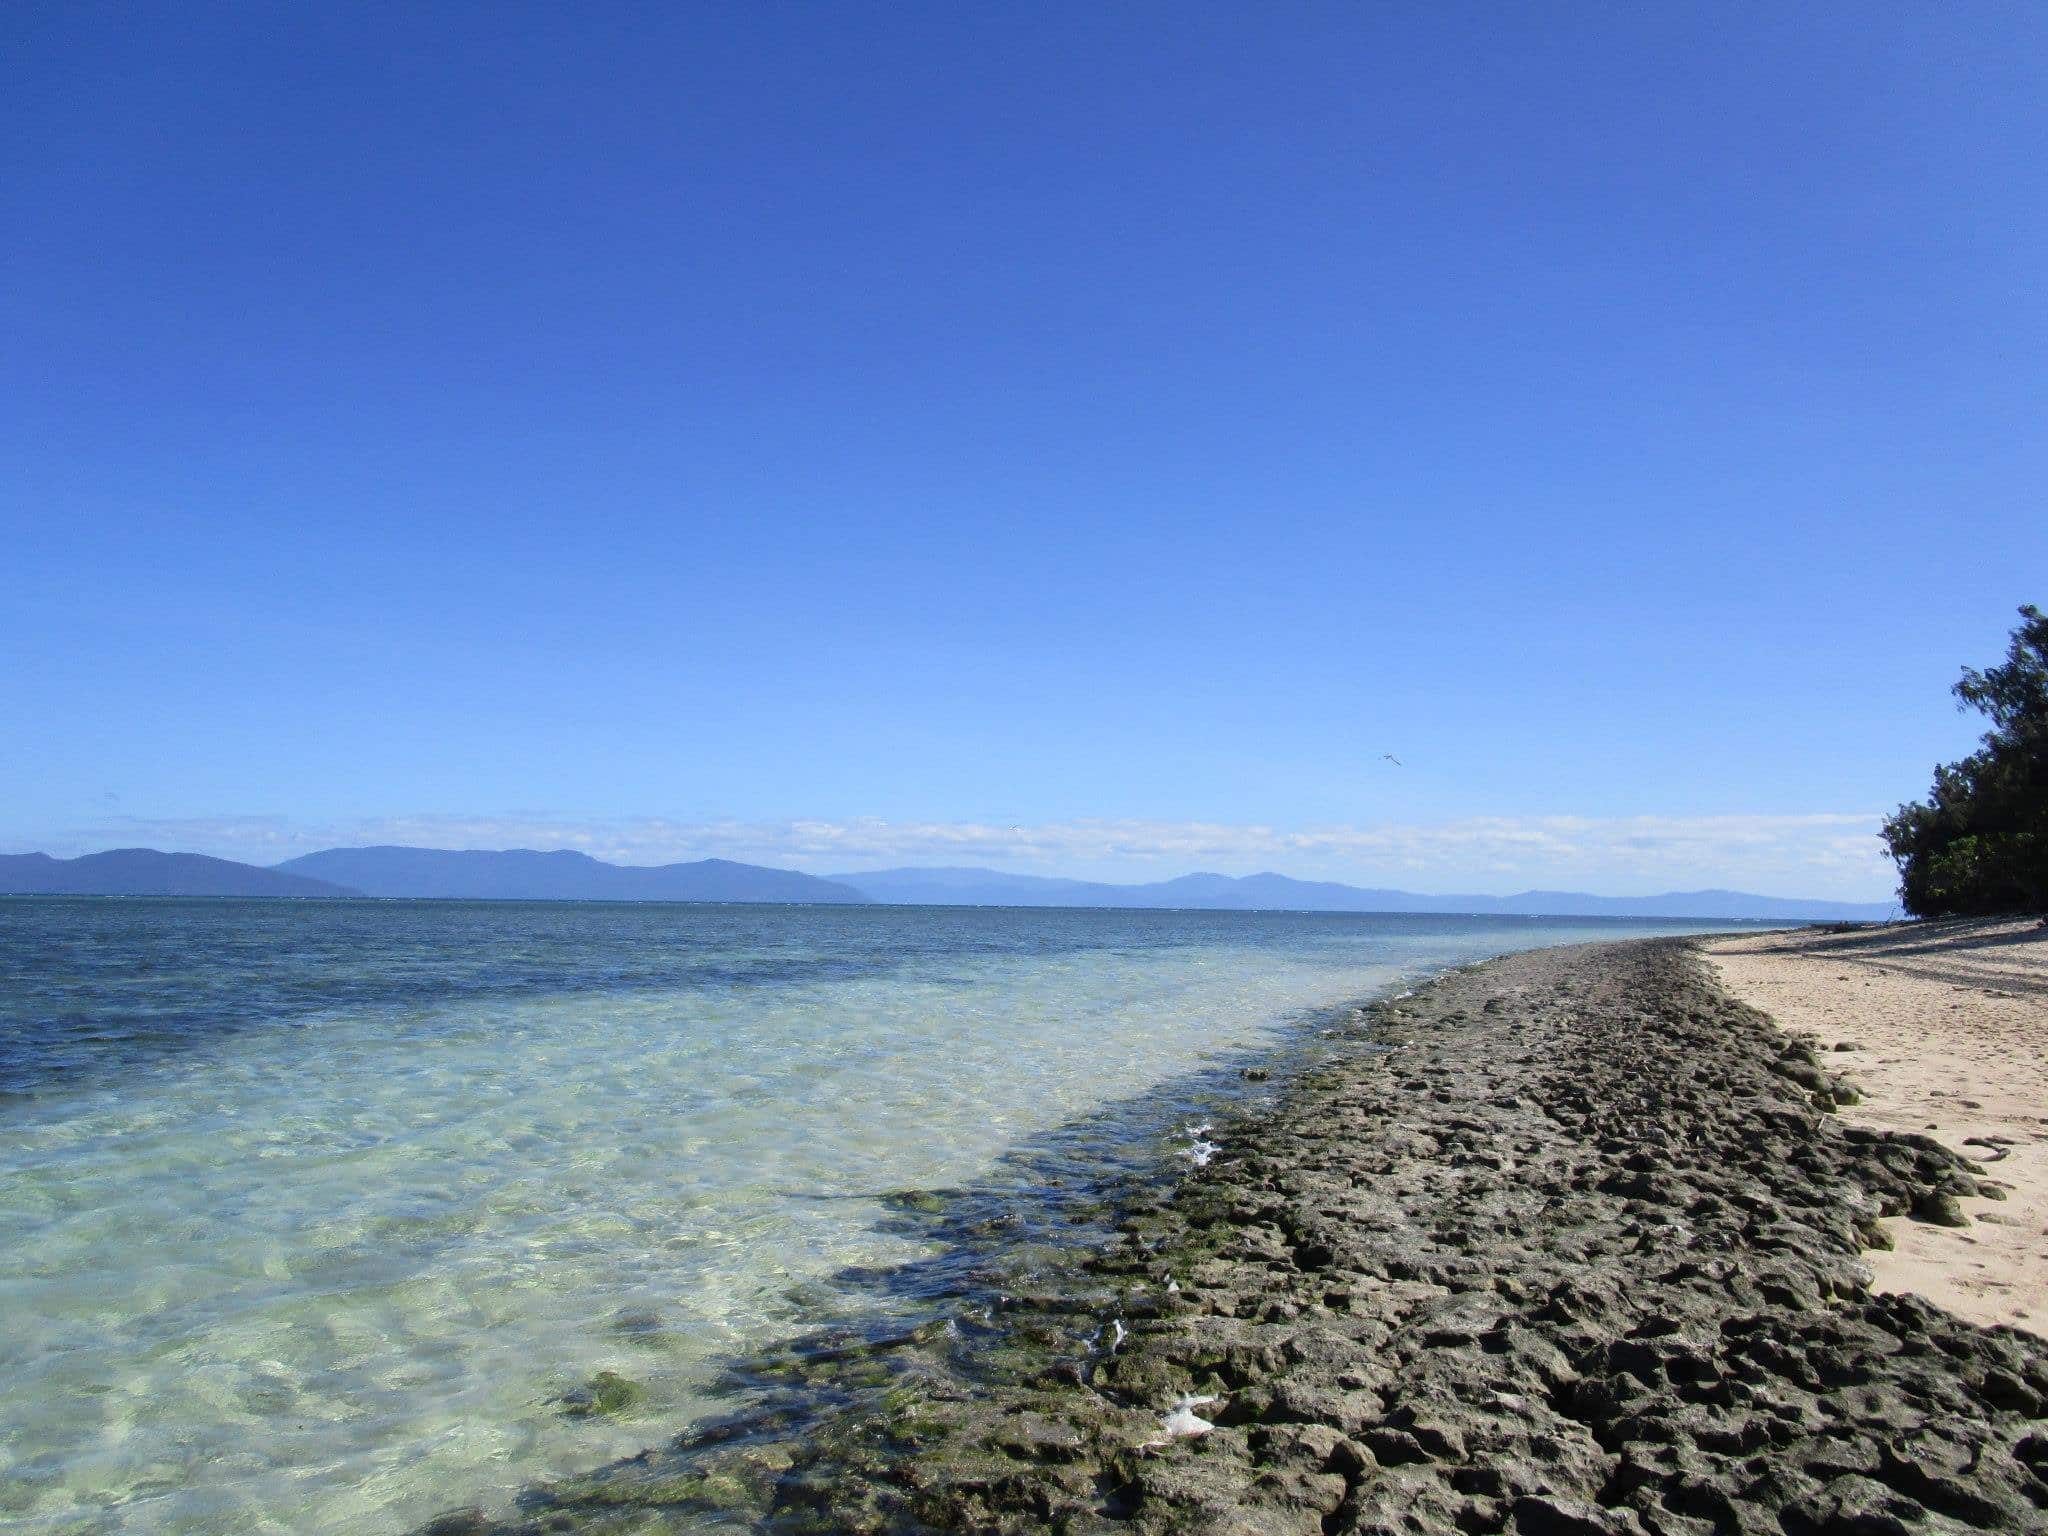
x=1942, y=1028
x=1572, y=1241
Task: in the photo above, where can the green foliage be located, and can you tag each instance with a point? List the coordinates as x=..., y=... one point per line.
x=1979, y=843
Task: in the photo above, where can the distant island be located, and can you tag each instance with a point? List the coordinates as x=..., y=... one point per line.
x=147, y=872
x=524, y=874
x=1270, y=892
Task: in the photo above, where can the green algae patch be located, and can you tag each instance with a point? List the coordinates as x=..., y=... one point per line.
x=643, y=1329
x=605, y=1394
x=923, y=1202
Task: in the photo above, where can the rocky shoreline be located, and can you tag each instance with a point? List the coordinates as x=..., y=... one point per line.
x=1567, y=1242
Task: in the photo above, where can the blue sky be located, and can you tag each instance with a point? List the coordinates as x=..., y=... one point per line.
x=1070, y=437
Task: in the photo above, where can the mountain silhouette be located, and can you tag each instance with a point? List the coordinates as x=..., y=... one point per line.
x=1271, y=892
x=148, y=872
x=525, y=874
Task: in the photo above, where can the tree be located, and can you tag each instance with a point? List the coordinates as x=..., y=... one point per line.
x=1979, y=842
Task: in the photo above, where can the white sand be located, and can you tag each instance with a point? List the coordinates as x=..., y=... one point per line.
x=1950, y=1021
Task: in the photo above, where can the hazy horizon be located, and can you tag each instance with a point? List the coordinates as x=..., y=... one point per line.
x=750, y=846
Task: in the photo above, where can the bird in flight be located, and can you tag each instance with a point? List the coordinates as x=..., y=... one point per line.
x=1391, y=758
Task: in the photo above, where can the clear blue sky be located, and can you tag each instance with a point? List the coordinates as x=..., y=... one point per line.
x=1058, y=416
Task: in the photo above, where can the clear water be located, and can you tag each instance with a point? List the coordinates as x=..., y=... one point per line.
x=310, y=1212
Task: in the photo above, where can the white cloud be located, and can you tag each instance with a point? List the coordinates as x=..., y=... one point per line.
x=1823, y=854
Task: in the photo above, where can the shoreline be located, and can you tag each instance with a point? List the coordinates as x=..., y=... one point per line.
x=1942, y=1028
x=1560, y=1242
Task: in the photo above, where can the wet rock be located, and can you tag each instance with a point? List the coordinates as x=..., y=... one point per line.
x=1561, y=1244
x=644, y=1327
x=923, y=1202
x=605, y=1393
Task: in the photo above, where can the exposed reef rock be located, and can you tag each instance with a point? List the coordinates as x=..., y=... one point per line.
x=605, y=1393
x=1567, y=1243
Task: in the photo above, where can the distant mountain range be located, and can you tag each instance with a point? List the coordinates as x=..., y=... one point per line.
x=146, y=872
x=521, y=874
x=1270, y=892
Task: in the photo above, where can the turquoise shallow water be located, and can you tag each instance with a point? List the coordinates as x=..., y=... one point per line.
x=309, y=1212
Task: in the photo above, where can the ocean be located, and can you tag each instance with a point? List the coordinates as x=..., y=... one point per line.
x=315, y=1215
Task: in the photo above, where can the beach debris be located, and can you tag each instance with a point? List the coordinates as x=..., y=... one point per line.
x=1181, y=1423
x=1184, y=1421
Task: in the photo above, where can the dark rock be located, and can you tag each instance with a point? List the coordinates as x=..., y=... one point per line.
x=605, y=1393
x=2003, y=1389
x=1939, y=1208
x=1561, y=1246
x=924, y=1202
x=1544, y=1515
